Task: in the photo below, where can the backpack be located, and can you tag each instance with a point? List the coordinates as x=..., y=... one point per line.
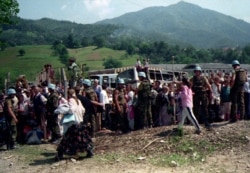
x=34, y=136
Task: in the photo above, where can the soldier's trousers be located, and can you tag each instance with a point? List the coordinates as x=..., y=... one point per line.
x=53, y=126
x=238, y=104
x=143, y=116
x=90, y=119
x=200, y=108
x=11, y=134
x=121, y=120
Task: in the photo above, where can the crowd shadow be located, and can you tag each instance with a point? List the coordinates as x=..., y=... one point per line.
x=220, y=124
x=167, y=133
x=48, y=159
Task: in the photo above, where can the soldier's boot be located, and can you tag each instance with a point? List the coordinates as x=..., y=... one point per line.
x=90, y=153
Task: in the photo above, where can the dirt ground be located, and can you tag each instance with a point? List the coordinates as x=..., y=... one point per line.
x=155, y=150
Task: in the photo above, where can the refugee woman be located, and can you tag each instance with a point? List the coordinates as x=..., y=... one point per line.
x=77, y=137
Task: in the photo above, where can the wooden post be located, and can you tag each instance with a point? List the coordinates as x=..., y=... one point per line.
x=6, y=85
x=8, y=80
x=65, y=83
x=83, y=70
x=60, y=77
x=173, y=67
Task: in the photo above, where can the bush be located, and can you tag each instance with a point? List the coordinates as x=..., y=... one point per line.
x=112, y=63
x=21, y=52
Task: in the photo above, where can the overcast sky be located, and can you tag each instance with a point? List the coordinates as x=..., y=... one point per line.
x=91, y=11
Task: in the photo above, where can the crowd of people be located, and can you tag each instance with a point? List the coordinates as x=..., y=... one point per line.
x=73, y=122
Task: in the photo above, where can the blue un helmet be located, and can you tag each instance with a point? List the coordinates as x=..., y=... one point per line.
x=86, y=82
x=52, y=86
x=235, y=62
x=121, y=81
x=11, y=91
x=197, y=68
x=142, y=74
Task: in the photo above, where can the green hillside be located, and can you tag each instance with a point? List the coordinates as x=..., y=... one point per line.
x=30, y=64
x=36, y=57
x=94, y=58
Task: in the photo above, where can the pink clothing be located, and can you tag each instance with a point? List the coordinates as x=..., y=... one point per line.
x=186, y=97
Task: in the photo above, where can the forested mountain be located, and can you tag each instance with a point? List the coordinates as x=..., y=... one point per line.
x=187, y=23
x=46, y=31
x=182, y=23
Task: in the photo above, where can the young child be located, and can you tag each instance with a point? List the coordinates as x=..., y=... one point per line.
x=187, y=107
x=225, y=99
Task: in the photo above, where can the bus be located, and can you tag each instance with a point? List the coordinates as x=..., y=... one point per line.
x=130, y=76
x=109, y=79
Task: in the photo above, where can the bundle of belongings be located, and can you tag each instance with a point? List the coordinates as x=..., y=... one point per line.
x=68, y=118
x=33, y=133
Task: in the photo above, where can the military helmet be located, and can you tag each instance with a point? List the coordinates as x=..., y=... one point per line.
x=142, y=74
x=121, y=81
x=86, y=82
x=11, y=91
x=197, y=68
x=235, y=62
x=52, y=86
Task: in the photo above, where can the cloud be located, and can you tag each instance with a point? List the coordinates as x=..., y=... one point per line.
x=97, y=4
x=63, y=7
x=100, y=7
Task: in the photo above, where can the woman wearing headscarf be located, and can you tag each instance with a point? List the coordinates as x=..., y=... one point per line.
x=77, y=137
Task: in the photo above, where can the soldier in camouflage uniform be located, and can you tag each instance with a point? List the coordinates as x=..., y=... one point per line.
x=92, y=96
x=11, y=117
x=237, y=93
x=120, y=107
x=75, y=73
x=52, y=118
x=143, y=118
x=202, y=92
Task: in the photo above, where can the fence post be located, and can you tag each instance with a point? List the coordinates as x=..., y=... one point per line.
x=60, y=77
x=65, y=83
x=8, y=81
x=5, y=85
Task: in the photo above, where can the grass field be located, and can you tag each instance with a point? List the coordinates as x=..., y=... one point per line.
x=36, y=57
x=94, y=58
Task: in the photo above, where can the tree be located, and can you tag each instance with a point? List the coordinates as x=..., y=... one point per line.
x=111, y=63
x=85, y=42
x=21, y=52
x=246, y=49
x=61, y=51
x=130, y=49
x=70, y=43
x=99, y=41
x=3, y=45
x=8, y=10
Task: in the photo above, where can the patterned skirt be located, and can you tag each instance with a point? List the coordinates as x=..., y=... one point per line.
x=76, y=139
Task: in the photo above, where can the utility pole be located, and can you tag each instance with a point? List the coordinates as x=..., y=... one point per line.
x=173, y=67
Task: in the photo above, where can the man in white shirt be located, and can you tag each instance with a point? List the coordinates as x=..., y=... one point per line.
x=247, y=98
x=104, y=99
